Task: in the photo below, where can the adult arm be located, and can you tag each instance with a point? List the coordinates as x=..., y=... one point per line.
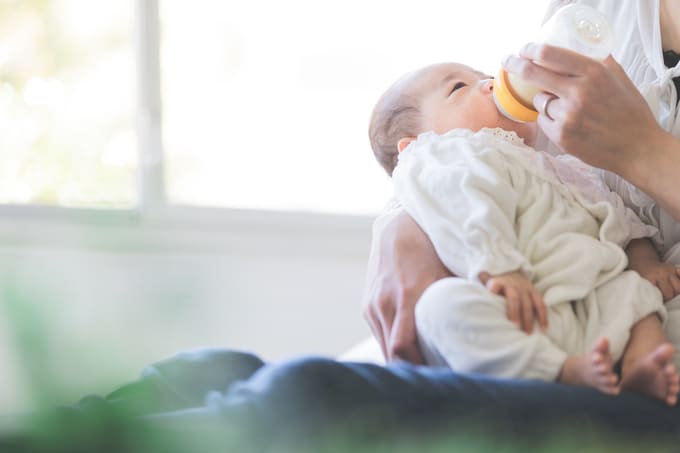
x=600, y=117
x=403, y=264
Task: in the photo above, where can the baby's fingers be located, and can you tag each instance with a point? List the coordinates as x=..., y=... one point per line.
x=675, y=282
x=541, y=310
x=513, y=303
x=495, y=286
x=527, y=312
x=665, y=287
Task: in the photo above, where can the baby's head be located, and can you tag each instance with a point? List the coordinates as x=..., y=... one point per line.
x=436, y=98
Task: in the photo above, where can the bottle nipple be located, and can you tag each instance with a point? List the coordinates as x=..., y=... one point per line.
x=589, y=30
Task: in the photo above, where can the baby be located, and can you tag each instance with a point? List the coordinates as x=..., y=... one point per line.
x=533, y=238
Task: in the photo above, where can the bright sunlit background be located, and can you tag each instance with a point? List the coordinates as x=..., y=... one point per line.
x=67, y=103
x=265, y=104
x=257, y=232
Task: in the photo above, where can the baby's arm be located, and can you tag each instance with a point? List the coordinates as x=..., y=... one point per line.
x=644, y=259
x=524, y=302
x=466, y=202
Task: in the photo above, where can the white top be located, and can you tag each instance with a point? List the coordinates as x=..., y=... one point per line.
x=639, y=50
x=491, y=204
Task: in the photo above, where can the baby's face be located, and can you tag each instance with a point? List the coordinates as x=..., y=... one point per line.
x=456, y=96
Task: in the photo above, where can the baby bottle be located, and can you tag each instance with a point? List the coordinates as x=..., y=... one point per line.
x=575, y=27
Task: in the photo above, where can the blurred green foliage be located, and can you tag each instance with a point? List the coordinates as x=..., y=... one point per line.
x=95, y=425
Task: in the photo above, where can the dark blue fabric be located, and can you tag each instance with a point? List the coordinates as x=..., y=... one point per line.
x=316, y=395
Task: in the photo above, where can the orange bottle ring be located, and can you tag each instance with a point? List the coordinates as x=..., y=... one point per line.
x=510, y=105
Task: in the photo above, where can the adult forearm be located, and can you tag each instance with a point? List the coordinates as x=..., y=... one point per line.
x=598, y=115
x=405, y=265
x=656, y=170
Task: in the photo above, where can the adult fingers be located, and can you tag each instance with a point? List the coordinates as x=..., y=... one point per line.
x=373, y=320
x=554, y=69
x=532, y=72
x=557, y=59
x=550, y=127
x=404, y=341
x=385, y=313
x=541, y=310
x=615, y=68
x=549, y=106
x=527, y=312
x=513, y=304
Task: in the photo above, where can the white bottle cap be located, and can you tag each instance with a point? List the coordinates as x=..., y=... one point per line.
x=579, y=28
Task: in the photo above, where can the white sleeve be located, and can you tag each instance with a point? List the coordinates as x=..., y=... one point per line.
x=388, y=214
x=465, y=204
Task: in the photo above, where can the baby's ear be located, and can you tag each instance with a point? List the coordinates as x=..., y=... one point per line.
x=404, y=142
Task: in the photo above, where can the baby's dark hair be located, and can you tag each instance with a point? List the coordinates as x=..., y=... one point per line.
x=396, y=115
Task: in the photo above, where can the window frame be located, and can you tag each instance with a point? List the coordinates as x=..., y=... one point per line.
x=152, y=208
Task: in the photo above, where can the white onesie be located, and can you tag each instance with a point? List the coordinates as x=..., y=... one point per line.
x=490, y=203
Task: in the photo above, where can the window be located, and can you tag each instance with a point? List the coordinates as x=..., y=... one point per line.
x=66, y=103
x=260, y=104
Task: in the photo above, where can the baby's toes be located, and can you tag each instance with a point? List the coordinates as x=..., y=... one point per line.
x=673, y=382
x=611, y=389
x=672, y=378
x=671, y=373
x=609, y=386
x=597, y=360
x=607, y=380
x=674, y=389
x=603, y=366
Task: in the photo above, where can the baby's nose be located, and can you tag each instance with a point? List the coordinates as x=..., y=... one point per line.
x=486, y=85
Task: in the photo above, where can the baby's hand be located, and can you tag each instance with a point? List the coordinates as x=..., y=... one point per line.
x=665, y=276
x=524, y=303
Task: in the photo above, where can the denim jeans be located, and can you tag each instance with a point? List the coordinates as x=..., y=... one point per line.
x=311, y=395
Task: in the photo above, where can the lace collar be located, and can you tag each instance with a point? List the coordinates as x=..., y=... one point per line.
x=508, y=136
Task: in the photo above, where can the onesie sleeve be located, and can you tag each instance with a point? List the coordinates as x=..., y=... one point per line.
x=466, y=204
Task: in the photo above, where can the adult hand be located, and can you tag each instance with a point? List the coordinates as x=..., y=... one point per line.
x=406, y=264
x=597, y=113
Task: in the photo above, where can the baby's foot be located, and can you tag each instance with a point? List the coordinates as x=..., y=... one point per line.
x=594, y=369
x=654, y=375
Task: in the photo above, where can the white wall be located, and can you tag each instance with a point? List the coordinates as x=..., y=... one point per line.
x=106, y=296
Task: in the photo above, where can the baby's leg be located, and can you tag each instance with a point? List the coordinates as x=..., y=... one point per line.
x=463, y=326
x=647, y=364
x=593, y=369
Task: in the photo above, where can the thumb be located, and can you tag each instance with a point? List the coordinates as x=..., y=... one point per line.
x=404, y=340
x=494, y=286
